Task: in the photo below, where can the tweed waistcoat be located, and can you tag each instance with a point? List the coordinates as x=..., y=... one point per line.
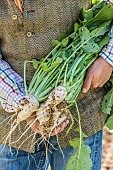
x=28, y=36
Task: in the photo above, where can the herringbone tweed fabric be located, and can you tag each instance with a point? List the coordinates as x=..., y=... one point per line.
x=28, y=36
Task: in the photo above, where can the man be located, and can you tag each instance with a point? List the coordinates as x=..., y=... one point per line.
x=26, y=30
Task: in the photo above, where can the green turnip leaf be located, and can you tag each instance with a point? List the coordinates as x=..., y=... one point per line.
x=80, y=161
x=107, y=102
x=55, y=43
x=109, y=122
x=101, y=30
x=104, y=15
x=90, y=47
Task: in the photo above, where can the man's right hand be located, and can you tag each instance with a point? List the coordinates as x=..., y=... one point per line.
x=37, y=128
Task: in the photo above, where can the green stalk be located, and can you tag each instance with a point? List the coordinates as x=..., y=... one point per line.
x=72, y=122
x=35, y=75
x=70, y=69
x=52, y=80
x=55, y=48
x=40, y=87
x=75, y=95
x=42, y=99
x=75, y=66
x=73, y=43
x=47, y=88
x=25, y=84
x=72, y=55
x=33, y=81
x=46, y=59
x=47, y=81
x=87, y=66
x=44, y=93
x=77, y=86
x=80, y=131
x=39, y=79
x=75, y=91
x=65, y=75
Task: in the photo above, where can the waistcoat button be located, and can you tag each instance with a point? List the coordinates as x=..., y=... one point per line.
x=29, y=34
x=14, y=17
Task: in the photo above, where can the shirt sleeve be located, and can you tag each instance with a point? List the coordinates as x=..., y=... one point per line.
x=109, y=1
x=107, y=51
x=11, y=87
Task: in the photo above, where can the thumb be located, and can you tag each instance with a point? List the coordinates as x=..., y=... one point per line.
x=87, y=82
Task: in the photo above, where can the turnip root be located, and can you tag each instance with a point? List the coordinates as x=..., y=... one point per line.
x=26, y=107
x=54, y=111
x=50, y=114
x=56, y=96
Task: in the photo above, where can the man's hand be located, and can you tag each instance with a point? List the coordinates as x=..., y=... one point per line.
x=98, y=74
x=39, y=129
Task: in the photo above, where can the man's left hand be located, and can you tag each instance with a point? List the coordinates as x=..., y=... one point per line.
x=98, y=74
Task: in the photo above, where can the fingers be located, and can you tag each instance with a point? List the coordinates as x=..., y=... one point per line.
x=106, y=78
x=35, y=126
x=60, y=128
x=87, y=82
x=97, y=75
x=95, y=79
x=31, y=119
x=102, y=83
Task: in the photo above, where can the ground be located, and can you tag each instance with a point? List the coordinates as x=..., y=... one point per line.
x=107, y=158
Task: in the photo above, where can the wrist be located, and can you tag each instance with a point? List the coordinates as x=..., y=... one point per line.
x=14, y=99
x=105, y=62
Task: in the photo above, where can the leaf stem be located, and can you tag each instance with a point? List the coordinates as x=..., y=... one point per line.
x=80, y=131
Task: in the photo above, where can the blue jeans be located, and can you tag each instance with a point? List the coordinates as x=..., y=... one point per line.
x=21, y=160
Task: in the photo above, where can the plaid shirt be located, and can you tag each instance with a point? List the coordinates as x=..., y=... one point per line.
x=107, y=52
x=109, y=1
x=12, y=85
